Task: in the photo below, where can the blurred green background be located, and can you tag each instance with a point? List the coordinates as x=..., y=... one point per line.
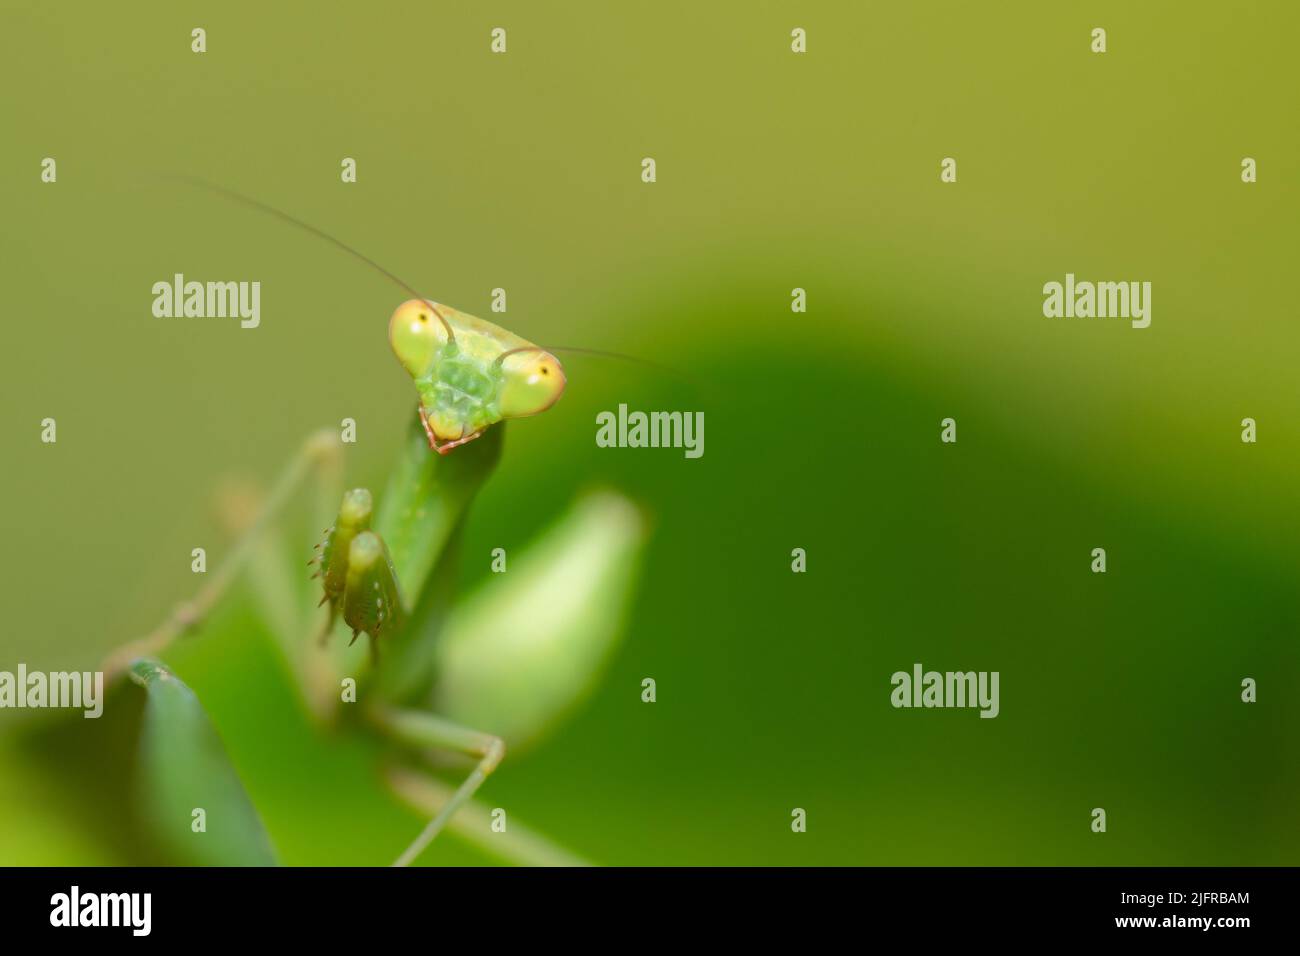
x=822, y=430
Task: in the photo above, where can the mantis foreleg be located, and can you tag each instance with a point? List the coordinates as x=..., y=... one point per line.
x=473, y=823
x=425, y=730
x=320, y=448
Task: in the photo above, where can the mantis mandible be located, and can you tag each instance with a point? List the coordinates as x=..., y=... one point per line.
x=379, y=567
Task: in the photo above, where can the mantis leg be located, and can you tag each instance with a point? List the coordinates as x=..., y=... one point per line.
x=424, y=730
x=520, y=845
x=321, y=448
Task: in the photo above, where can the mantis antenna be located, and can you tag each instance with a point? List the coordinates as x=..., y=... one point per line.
x=322, y=234
x=406, y=286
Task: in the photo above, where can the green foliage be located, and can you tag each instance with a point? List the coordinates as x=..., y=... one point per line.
x=184, y=773
x=520, y=653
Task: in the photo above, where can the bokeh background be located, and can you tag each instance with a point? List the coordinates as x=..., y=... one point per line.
x=774, y=171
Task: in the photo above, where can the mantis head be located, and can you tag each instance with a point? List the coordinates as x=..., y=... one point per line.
x=531, y=378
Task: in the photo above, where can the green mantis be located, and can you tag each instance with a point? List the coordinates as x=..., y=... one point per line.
x=498, y=666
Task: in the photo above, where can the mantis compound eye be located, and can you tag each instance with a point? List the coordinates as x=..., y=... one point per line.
x=534, y=381
x=416, y=332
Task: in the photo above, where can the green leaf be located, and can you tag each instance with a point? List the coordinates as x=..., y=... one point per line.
x=184, y=768
x=525, y=649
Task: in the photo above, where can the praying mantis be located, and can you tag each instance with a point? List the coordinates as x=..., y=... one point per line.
x=440, y=679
